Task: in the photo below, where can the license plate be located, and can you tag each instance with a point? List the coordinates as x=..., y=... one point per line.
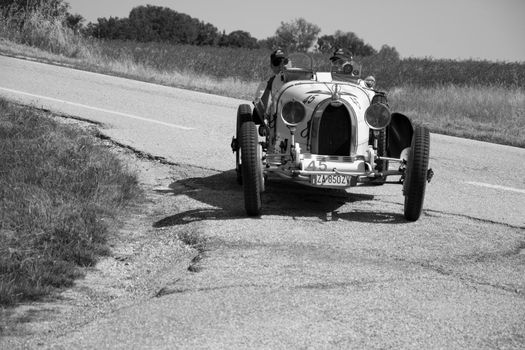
x=330, y=180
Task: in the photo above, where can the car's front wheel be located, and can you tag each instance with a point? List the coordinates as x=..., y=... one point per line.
x=244, y=113
x=252, y=176
x=415, y=181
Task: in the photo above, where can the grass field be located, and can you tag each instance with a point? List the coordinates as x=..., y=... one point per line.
x=253, y=65
x=493, y=114
x=59, y=189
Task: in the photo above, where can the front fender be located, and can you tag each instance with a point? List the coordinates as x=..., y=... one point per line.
x=399, y=134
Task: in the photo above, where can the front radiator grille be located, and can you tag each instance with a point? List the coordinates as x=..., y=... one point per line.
x=335, y=131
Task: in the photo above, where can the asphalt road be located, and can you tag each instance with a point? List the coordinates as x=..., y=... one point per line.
x=319, y=269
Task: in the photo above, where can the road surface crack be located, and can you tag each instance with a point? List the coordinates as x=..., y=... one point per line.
x=466, y=279
x=464, y=216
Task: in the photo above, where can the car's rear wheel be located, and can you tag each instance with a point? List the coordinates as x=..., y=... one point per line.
x=252, y=176
x=415, y=181
x=244, y=113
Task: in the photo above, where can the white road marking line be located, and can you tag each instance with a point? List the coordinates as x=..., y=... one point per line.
x=98, y=109
x=497, y=187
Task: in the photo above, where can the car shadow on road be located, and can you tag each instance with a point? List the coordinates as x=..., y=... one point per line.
x=224, y=200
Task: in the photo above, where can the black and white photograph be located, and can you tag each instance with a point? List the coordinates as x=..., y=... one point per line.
x=237, y=174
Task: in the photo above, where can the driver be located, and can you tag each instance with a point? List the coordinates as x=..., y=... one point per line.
x=342, y=62
x=278, y=61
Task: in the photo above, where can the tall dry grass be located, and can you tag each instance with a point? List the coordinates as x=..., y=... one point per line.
x=39, y=29
x=253, y=65
x=493, y=114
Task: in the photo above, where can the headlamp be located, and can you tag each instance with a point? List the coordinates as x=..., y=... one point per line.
x=377, y=116
x=293, y=113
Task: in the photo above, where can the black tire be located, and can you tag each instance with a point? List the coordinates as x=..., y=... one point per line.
x=415, y=181
x=252, y=176
x=244, y=113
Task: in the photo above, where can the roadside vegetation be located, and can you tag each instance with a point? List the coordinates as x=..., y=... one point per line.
x=59, y=190
x=487, y=113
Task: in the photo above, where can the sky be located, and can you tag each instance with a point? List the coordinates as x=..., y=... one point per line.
x=491, y=30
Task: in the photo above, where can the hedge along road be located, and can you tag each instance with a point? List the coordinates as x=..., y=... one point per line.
x=318, y=269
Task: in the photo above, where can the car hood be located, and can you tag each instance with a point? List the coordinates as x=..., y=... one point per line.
x=312, y=93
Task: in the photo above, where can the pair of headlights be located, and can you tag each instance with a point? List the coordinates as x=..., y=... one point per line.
x=377, y=115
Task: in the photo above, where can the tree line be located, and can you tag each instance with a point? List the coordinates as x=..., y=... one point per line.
x=161, y=24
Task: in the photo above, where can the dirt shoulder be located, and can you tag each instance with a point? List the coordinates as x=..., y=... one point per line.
x=145, y=258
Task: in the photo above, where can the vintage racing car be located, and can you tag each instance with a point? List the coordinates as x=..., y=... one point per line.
x=329, y=129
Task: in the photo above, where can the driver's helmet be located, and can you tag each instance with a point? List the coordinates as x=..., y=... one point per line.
x=278, y=58
x=341, y=54
x=342, y=61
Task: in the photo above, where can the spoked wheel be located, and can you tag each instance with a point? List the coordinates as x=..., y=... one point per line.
x=252, y=175
x=244, y=113
x=416, y=174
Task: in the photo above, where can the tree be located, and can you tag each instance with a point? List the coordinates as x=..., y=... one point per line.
x=297, y=35
x=348, y=41
x=208, y=34
x=388, y=54
x=75, y=22
x=239, y=38
x=156, y=23
x=268, y=43
x=110, y=28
